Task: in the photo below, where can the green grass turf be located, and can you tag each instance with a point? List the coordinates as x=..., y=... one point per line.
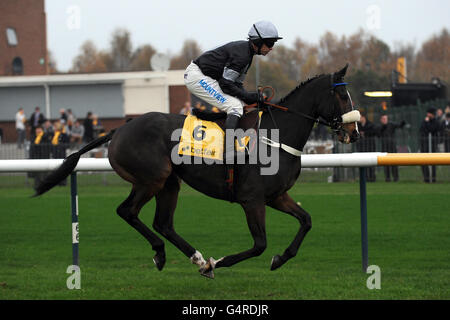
x=409, y=239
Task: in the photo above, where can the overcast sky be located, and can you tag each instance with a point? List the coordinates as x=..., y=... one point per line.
x=166, y=24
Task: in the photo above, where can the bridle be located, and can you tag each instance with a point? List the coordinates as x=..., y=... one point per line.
x=337, y=123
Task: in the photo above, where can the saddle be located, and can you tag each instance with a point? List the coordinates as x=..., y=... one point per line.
x=249, y=120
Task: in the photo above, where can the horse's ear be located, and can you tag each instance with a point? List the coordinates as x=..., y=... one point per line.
x=341, y=73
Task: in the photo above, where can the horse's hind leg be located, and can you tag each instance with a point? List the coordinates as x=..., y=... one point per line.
x=286, y=204
x=129, y=211
x=166, y=202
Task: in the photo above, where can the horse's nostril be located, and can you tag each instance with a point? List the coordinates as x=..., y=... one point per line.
x=355, y=136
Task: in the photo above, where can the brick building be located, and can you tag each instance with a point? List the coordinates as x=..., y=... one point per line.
x=23, y=38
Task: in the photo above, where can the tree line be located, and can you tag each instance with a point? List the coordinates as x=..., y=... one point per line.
x=371, y=60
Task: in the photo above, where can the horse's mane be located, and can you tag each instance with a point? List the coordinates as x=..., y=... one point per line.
x=299, y=87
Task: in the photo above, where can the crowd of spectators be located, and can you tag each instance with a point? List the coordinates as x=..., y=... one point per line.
x=52, y=138
x=434, y=131
x=75, y=132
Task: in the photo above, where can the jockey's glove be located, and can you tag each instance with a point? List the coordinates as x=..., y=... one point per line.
x=254, y=97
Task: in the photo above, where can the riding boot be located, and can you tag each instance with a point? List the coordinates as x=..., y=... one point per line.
x=229, y=148
x=229, y=151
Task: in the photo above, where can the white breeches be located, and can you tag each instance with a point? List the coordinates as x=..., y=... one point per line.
x=208, y=90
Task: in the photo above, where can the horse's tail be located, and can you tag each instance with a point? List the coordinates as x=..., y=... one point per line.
x=69, y=165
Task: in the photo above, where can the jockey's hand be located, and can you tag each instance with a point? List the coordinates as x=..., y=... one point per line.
x=255, y=97
x=252, y=97
x=261, y=99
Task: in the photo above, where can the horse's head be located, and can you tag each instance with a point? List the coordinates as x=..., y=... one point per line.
x=337, y=108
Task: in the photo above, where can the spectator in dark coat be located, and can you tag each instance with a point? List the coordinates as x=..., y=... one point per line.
x=36, y=120
x=60, y=143
x=40, y=145
x=446, y=132
x=386, y=132
x=367, y=143
x=63, y=115
x=96, y=125
x=48, y=128
x=88, y=128
x=429, y=132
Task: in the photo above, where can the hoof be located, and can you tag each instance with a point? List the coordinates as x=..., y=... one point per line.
x=208, y=269
x=277, y=262
x=159, y=260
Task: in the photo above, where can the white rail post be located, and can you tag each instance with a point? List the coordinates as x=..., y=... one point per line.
x=75, y=229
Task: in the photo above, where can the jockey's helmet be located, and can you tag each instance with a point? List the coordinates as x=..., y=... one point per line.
x=263, y=32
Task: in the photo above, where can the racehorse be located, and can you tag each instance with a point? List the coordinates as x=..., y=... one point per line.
x=140, y=152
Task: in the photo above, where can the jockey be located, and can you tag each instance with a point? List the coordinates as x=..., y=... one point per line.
x=217, y=75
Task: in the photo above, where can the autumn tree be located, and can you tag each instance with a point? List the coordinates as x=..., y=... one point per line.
x=371, y=60
x=140, y=60
x=333, y=52
x=288, y=61
x=189, y=52
x=89, y=60
x=270, y=74
x=366, y=80
x=329, y=52
x=120, y=51
x=52, y=68
x=433, y=58
x=407, y=51
x=376, y=55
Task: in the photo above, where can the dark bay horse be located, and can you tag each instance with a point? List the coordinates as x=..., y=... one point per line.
x=140, y=152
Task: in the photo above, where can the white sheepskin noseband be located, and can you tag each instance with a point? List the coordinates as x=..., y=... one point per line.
x=352, y=116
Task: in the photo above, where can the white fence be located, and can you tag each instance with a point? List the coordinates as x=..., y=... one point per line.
x=361, y=159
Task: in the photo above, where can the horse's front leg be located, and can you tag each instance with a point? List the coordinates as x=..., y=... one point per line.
x=256, y=220
x=285, y=204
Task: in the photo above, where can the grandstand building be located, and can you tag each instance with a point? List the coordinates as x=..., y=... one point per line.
x=114, y=97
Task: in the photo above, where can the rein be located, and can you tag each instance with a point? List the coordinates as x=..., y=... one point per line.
x=335, y=124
